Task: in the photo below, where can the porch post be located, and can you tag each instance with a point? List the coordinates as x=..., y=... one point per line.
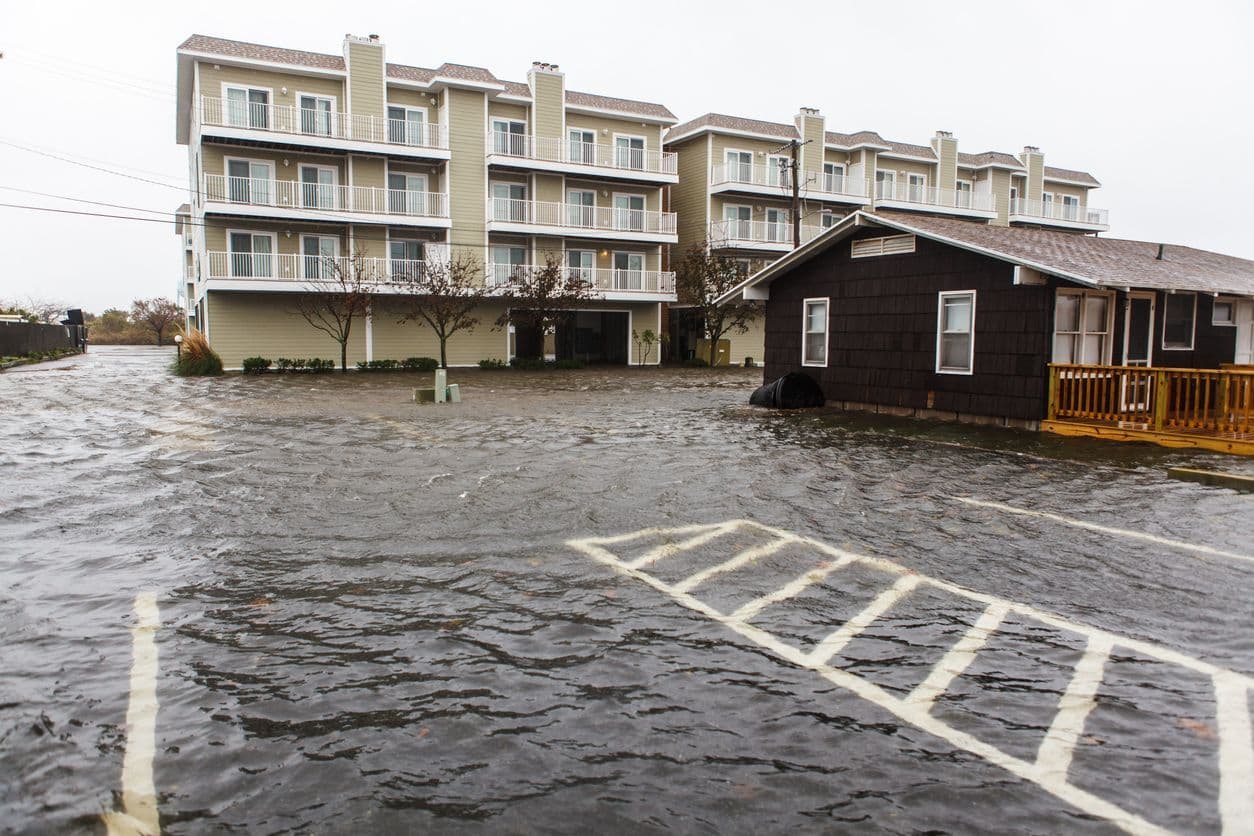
x=1051, y=408
x=1160, y=395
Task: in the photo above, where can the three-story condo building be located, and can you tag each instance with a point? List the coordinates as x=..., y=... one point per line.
x=735, y=192
x=297, y=158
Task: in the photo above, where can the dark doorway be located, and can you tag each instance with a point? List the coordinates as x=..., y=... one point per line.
x=687, y=326
x=594, y=337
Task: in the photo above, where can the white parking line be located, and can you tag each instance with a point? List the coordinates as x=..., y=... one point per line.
x=708, y=533
x=138, y=816
x=1050, y=768
x=1054, y=756
x=1103, y=529
x=745, y=557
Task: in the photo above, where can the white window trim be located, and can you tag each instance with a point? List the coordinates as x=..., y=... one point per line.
x=226, y=166
x=1110, y=321
x=959, y=183
x=334, y=100
x=1192, y=333
x=827, y=327
x=274, y=250
x=837, y=169
x=493, y=184
x=581, y=190
x=1231, y=301
x=422, y=175
x=320, y=235
x=644, y=200
x=234, y=85
x=891, y=175
x=644, y=140
x=335, y=172
x=570, y=129
x=727, y=151
x=910, y=175
x=408, y=109
x=773, y=163
x=727, y=206
x=940, y=331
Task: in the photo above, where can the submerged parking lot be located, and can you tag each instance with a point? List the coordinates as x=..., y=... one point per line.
x=613, y=600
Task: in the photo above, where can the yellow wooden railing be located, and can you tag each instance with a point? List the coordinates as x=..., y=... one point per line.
x=1164, y=400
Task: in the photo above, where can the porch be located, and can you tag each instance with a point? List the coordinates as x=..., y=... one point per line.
x=1210, y=409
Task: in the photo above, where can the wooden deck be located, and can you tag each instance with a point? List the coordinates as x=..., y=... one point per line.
x=1209, y=409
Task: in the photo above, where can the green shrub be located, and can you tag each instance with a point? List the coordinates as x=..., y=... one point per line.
x=528, y=364
x=420, y=364
x=570, y=363
x=283, y=364
x=256, y=365
x=492, y=364
x=697, y=363
x=376, y=365
x=318, y=366
x=196, y=358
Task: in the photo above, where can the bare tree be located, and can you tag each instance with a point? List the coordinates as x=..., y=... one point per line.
x=702, y=277
x=541, y=297
x=444, y=297
x=337, y=291
x=45, y=311
x=156, y=315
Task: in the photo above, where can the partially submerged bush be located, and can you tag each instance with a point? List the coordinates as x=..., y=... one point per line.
x=528, y=364
x=319, y=366
x=569, y=363
x=420, y=364
x=196, y=358
x=255, y=365
x=376, y=365
x=697, y=363
x=492, y=364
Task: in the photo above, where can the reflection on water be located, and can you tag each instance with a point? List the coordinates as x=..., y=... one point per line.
x=371, y=621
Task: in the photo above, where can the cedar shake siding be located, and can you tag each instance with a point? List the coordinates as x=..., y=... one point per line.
x=882, y=324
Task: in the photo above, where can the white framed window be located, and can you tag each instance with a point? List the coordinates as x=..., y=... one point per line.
x=317, y=186
x=743, y=266
x=407, y=125
x=406, y=256
x=252, y=253
x=629, y=212
x=582, y=263
x=955, y=332
x=739, y=166
x=777, y=170
x=814, y=332
x=509, y=202
x=1082, y=326
x=962, y=194
x=629, y=151
x=247, y=107
x=1224, y=311
x=885, y=184
x=583, y=146
x=628, y=271
x=581, y=207
x=829, y=219
x=508, y=263
x=249, y=181
x=318, y=254
x=407, y=193
x=916, y=185
x=1070, y=207
x=1047, y=205
x=317, y=114
x=833, y=177
x=887, y=245
x=509, y=136
x=777, y=228
x=1179, y=321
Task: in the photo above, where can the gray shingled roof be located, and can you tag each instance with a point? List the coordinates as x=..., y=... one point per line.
x=998, y=158
x=734, y=123
x=910, y=150
x=261, y=52
x=574, y=97
x=1110, y=262
x=1068, y=174
x=856, y=138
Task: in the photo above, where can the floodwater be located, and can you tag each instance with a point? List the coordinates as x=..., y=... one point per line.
x=372, y=618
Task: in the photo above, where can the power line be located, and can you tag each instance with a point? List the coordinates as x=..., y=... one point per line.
x=117, y=85
x=28, y=149
x=85, y=200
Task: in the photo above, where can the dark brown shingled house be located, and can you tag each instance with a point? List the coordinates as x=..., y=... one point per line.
x=952, y=318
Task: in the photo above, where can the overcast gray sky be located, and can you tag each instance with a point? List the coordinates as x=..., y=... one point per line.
x=1154, y=98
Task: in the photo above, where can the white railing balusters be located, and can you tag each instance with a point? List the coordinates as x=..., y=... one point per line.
x=576, y=216
x=556, y=150
x=293, y=120
x=1058, y=211
x=293, y=194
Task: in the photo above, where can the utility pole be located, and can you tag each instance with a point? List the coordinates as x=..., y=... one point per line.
x=794, y=164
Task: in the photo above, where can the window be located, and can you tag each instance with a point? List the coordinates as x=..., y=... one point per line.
x=1070, y=207
x=581, y=264
x=316, y=113
x=629, y=152
x=249, y=181
x=1223, y=311
x=1014, y=200
x=743, y=266
x=833, y=177
x=888, y=245
x=583, y=146
x=581, y=207
x=955, y=332
x=318, y=253
x=509, y=137
x=828, y=219
x=317, y=187
x=1047, y=205
x=509, y=202
x=1179, y=315
x=916, y=185
x=508, y=263
x=777, y=171
x=739, y=166
x=962, y=194
x=407, y=193
x=248, y=107
x=628, y=271
x=814, y=332
x=252, y=254
x=629, y=212
x=1082, y=327
x=406, y=255
x=777, y=225
x=406, y=125
x=885, y=184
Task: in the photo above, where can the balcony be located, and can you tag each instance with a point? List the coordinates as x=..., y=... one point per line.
x=894, y=195
x=1056, y=213
x=321, y=129
x=294, y=200
x=559, y=155
x=642, y=285
x=618, y=224
x=773, y=181
x=764, y=236
x=286, y=271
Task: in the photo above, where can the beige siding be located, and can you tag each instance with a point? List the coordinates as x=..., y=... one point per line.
x=947, y=162
x=759, y=147
x=369, y=172
x=1058, y=189
x=504, y=110
x=413, y=98
x=1001, y=194
x=812, y=132
x=548, y=90
x=466, y=172
x=904, y=167
x=365, y=80
x=548, y=187
x=216, y=233
x=688, y=197
x=1035, y=164
x=286, y=164
x=269, y=325
x=211, y=81
x=395, y=340
x=749, y=344
x=605, y=128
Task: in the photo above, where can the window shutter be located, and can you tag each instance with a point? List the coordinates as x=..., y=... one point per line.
x=889, y=245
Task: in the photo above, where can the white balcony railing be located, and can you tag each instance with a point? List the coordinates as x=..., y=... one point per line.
x=905, y=192
x=555, y=150
x=306, y=122
x=775, y=177
x=604, y=280
x=755, y=233
x=291, y=194
x=1059, y=211
x=574, y=216
x=312, y=268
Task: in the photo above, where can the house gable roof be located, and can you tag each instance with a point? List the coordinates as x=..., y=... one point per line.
x=1083, y=259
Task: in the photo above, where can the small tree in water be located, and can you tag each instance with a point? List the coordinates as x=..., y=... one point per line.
x=644, y=341
x=444, y=297
x=157, y=315
x=701, y=278
x=337, y=291
x=542, y=297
